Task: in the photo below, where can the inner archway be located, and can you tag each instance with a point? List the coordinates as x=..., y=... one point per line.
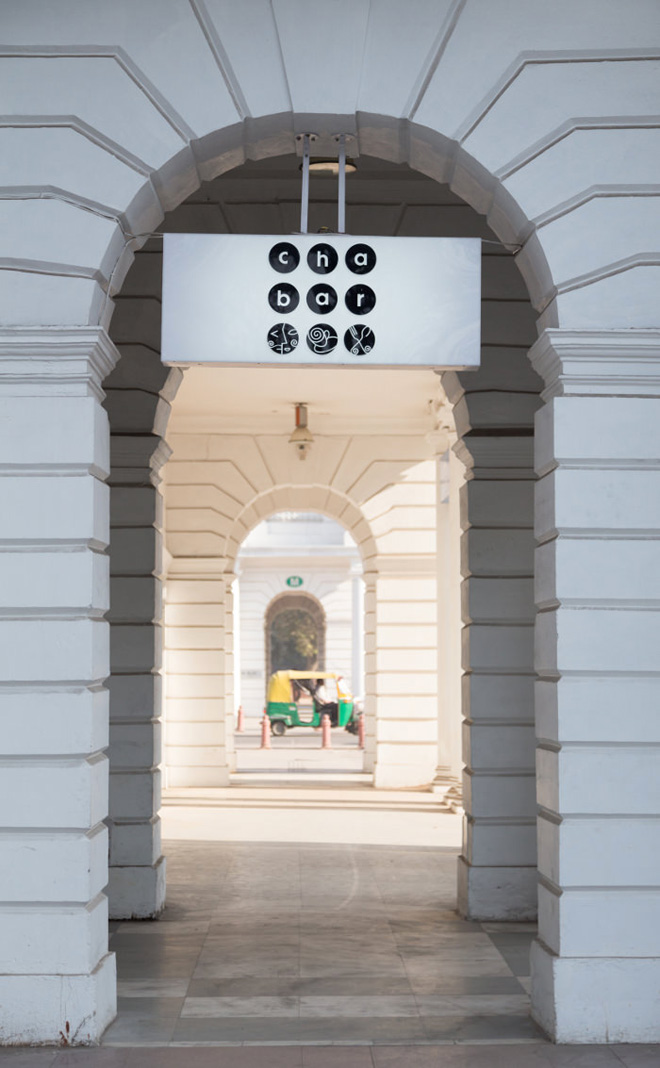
x=295, y=634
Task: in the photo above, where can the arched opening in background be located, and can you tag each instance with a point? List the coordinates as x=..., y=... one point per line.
x=294, y=634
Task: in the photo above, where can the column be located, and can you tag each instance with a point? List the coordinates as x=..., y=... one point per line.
x=357, y=630
x=199, y=673
x=447, y=779
x=370, y=676
x=497, y=868
x=596, y=964
x=136, y=887
x=402, y=653
x=57, y=979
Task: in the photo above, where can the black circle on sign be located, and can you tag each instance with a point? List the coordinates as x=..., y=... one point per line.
x=284, y=257
x=282, y=338
x=359, y=340
x=360, y=299
x=322, y=258
x=322, y=338
x=360, y=259
x=322, y=299
x=283, y=298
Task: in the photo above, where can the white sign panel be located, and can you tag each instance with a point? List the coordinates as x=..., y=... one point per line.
x=321, y=300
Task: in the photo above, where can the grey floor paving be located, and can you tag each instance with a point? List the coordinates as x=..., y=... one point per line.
x=326, y=955
x=304, y=944
x=303, y=956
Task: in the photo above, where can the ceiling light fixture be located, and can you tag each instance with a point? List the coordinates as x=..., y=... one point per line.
x=330, y=166
x=302, y=437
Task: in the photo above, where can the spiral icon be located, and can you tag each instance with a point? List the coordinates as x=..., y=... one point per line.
x=321, y=338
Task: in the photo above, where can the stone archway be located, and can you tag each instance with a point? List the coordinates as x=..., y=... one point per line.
x=303, y=602
x=95, y=158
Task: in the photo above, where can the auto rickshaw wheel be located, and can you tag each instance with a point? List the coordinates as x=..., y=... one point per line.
x=278, y=727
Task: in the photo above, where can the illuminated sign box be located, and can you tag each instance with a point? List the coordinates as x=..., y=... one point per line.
x=321, y=300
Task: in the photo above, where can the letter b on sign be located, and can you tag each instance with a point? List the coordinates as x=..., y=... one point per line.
x=283, y=298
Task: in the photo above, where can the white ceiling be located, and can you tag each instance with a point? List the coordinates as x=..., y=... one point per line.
x=254, y=399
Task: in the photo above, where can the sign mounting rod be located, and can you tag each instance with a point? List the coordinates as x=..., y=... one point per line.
x=341, y=188
x=304, y=196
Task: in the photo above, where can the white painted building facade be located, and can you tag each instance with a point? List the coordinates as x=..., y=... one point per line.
x=541, y=126
x=300, y=560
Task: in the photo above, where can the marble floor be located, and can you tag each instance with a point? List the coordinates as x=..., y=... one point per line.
x=303, y=944
x=321, y=956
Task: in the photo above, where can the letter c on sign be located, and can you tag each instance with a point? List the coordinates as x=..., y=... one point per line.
x=284, y=257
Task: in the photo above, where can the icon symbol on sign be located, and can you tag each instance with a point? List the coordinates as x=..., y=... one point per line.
x=359, y=340
x=321, y=339
x=283, y=338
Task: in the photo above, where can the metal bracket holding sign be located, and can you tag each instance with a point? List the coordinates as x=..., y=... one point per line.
x=321, y=300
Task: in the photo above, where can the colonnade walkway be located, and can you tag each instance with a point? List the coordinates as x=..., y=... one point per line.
x=318, y=953
x=318, y=943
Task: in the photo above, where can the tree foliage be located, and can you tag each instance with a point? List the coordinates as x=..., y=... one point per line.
x=294, y=641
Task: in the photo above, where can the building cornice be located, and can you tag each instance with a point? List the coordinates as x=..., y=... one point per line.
x=598, y=362
x=66, y=361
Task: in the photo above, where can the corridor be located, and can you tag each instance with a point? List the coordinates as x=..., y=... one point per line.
x=302, y=943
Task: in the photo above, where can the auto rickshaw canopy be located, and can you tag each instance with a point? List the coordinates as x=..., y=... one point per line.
x=279, y=684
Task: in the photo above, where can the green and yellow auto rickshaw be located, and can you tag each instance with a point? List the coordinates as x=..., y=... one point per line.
x=300, y=698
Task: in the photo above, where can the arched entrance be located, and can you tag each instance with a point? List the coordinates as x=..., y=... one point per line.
x=461, y=112
x=294, y=633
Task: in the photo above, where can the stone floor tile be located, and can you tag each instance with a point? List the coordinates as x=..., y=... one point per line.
x=466, y=984
x=92, y=1058
x=27, y=1058
x=518, y=960
x=131, y=1029
x=474, y=1004
x=361, y=1006
x=298, y=1031
x=236, y=1007
x=247, y=966
x=643, y=1056
x=311, y=966
x=210, y=1057
x=267, y=986
x=152, y=988
x=149, y=1007
x=421, y=967
x=445, y=1056
x=471, y=1028
x=337, y=1057
x=550, y=1056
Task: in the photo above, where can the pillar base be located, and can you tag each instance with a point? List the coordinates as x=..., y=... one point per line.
x=595, y=999
x=58, y=1010
x=497, y=893
x=400, y=776
x=178, y=776
x=137, y=893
